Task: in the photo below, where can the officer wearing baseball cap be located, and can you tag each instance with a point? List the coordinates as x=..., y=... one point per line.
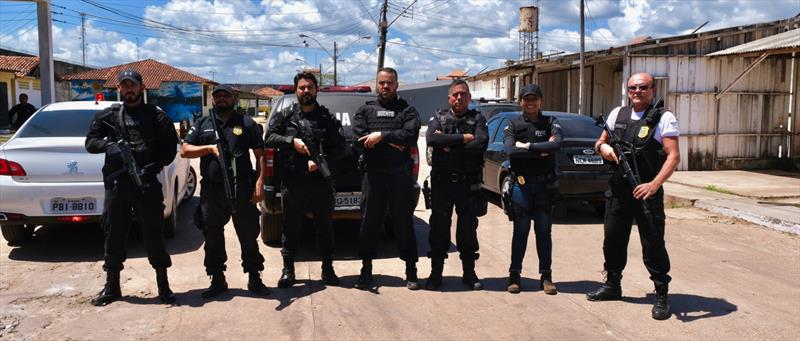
x=531, y=141
x=238, y=135
x=144, y=131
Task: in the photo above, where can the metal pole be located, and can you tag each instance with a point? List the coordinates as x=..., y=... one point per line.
x=580, y=81
x=384, y=30
x=83, y=37
x=335, y=80
x=45, y=23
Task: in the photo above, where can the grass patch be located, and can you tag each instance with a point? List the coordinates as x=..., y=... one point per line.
x=713, y=188
x=676, y=205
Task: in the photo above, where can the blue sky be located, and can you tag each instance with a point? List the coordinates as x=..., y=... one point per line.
x=258, y=41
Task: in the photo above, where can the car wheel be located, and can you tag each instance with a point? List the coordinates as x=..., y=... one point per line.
x=171, y=222
x=271, y=228
x=191, y=184
x=17, y=234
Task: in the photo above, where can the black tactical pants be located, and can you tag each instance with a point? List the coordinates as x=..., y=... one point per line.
x=394, y=191
x=309, y=194
x=445, y=195
x=621, y=208
x=149, y=209
x=216, y=213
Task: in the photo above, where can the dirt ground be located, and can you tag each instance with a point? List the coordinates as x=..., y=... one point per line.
x=731, y=280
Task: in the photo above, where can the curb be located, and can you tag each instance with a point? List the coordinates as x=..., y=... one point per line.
x=751, y=217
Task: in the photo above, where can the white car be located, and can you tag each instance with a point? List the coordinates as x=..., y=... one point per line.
x=48, y=177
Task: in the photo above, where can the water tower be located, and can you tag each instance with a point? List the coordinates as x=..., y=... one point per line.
x=528, y=32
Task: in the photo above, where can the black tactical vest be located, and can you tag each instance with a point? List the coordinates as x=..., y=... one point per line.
x=453, y=161
x=644, y=153
x=536, y=168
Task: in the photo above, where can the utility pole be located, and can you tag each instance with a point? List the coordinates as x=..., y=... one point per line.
x=320, y=74
x=335, y=81
x=45, y=25
x=580, y=82
x=83, y=37
x=137, y=48
x=384, y=29
x=212, y=75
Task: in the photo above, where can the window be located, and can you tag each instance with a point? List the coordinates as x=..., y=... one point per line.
x=59, y=123
x=497, y=133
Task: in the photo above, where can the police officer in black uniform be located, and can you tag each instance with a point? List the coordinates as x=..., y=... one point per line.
x=298, y=131
x=531, y=140
x=149, y=133
x=387, y=128
x=238, y=134
x=459, y=139
x=648, y=135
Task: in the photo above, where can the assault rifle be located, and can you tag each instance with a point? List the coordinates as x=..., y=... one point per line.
x=315, y=154
x=222, y=148
x=126, y=152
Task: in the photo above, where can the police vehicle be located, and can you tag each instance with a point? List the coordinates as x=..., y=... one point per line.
x=344, y=166
x=48, y=177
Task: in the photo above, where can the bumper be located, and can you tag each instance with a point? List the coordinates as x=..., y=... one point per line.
x=33, y=199
x=8, y=219
x=583, y=185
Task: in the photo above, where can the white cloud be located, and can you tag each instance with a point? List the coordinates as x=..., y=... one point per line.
x=246, y=41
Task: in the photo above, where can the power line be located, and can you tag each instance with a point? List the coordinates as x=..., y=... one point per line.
x=447, y=51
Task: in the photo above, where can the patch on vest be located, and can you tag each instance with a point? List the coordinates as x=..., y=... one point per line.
x=384, y=113
x=237, y=130
x=643, y=132
x=540, y=133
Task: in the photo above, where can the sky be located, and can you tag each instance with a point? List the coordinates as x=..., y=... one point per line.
x=251, y=41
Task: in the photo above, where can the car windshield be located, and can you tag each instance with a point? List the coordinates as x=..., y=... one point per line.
x=58, y=123
x=578, y=125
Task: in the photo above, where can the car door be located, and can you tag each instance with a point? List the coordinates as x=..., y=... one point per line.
x=495, y=153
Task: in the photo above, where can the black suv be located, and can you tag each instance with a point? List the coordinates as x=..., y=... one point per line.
x=344, y=166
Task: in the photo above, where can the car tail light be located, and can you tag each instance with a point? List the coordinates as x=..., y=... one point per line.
x=8, y=167
x=415, y=157
x=73, y=219
x=269, y=155
x=11, y=216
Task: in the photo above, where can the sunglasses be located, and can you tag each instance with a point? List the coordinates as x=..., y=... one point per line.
x=644, y=87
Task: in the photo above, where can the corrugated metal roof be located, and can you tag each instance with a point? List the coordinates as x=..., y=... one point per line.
x=21, y=65
x=785, y=40
x=153, y=73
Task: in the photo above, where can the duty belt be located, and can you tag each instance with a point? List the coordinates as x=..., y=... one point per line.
x=457, y=177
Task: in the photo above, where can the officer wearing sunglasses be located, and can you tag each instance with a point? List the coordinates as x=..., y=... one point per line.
x=648, y=135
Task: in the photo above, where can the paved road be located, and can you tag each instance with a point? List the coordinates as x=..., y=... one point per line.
x=732, y=280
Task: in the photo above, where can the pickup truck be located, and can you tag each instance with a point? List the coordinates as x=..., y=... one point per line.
x=344, y=167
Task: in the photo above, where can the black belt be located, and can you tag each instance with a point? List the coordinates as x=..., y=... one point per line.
x=457, y=177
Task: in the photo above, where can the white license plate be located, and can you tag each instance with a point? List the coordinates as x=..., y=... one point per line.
x=587, y=159
x=347, y=201
x=73, y=205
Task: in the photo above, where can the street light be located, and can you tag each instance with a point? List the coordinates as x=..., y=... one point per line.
x=333, y=56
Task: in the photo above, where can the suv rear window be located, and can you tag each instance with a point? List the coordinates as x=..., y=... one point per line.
x=59, y=123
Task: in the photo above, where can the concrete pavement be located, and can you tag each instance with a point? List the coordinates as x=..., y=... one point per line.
x=766, y=198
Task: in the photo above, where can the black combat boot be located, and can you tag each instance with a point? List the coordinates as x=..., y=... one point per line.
x=255, y=285
x=111, y=291
x=610, y=291
x=165, y=294
x=514, y=282
x=218, y=286
x=287, y=275
x=470, y=279
x=547, y=283
x=365, y=278
x=328, y=275
x=412, y=282
x=661, y=308
x=434, y=281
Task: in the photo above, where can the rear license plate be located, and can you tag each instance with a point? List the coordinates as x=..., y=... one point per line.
x=347, y=201
x=73, y=205
x=587, y=159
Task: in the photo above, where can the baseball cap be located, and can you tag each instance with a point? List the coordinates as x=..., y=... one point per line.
x=531, y=89
x=131, y=75
x=224, y=87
